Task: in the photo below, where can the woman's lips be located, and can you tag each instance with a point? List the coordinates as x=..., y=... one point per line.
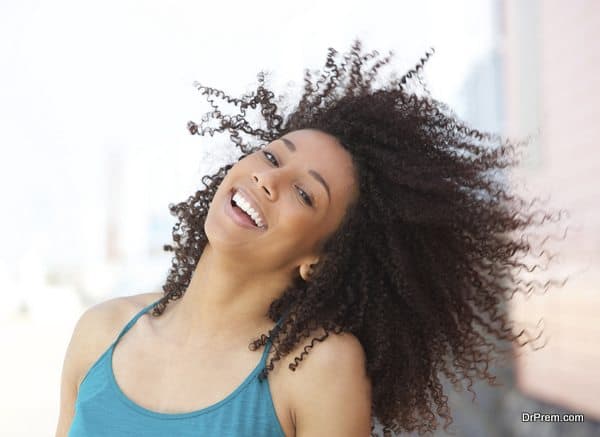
x=253, y=203
x=238, y=217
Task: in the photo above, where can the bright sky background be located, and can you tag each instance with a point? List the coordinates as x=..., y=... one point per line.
x=84, y=84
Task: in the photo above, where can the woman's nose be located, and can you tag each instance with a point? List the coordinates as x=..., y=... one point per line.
x=263, y=183
x=270, y=181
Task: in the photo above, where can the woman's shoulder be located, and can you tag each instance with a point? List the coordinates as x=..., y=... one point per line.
x=339, y=358
x=139, y=301
x=327, y=353
x=101, y=323
x=112, y=314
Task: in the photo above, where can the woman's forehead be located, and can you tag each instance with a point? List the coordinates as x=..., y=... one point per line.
x=308, y=143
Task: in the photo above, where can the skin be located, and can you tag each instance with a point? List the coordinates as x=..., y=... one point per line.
x=242, y=270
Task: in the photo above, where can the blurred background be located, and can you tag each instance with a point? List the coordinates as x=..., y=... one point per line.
x=94, y=101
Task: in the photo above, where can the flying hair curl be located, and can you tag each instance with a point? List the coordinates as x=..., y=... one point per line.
x=424, y=260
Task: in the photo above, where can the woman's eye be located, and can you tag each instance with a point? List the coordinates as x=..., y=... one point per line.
x=274, y=160
x=305, y=197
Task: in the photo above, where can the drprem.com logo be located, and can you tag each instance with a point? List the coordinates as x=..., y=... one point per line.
x=542, y=417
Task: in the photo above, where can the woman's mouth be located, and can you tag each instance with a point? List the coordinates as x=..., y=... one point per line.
x=239, y=216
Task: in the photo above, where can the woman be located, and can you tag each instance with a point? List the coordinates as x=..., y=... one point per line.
x=365, y=230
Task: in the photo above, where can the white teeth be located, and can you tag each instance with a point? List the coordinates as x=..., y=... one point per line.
x=245, y=205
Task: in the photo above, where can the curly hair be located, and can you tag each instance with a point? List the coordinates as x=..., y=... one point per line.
x=423, y=261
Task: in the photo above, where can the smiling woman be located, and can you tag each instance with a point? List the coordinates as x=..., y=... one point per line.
x=362, y=234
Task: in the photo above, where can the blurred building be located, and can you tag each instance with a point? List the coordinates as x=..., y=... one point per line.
x=539, y=81
x=552, y=66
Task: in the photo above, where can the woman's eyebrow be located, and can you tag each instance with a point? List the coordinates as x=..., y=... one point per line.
x=292, y=148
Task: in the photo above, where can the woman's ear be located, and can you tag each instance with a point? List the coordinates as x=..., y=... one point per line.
x=307, y=269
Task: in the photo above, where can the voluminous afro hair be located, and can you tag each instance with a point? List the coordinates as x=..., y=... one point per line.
x=423, y=262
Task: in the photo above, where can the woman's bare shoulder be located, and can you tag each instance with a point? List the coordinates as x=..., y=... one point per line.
x=141, y=300
x=111, y=313
x=101, y=323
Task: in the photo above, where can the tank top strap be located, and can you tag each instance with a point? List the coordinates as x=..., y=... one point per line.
x=134, y=319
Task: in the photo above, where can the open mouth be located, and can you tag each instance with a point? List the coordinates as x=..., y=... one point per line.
x=242, y=215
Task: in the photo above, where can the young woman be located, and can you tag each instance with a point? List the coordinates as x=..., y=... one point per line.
x=364, y=240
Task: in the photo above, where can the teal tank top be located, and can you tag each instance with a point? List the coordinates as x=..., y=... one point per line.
x=102, y=409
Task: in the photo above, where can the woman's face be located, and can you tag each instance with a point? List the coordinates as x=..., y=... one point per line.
x=301, y=185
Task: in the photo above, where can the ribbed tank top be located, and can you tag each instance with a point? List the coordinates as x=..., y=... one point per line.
x=102, y=409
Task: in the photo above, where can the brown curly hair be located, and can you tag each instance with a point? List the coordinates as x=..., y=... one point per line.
x=425, y=254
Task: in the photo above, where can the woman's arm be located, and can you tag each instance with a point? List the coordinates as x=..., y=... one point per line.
x=93, y=332
x=332, y=393
x=72, y=366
